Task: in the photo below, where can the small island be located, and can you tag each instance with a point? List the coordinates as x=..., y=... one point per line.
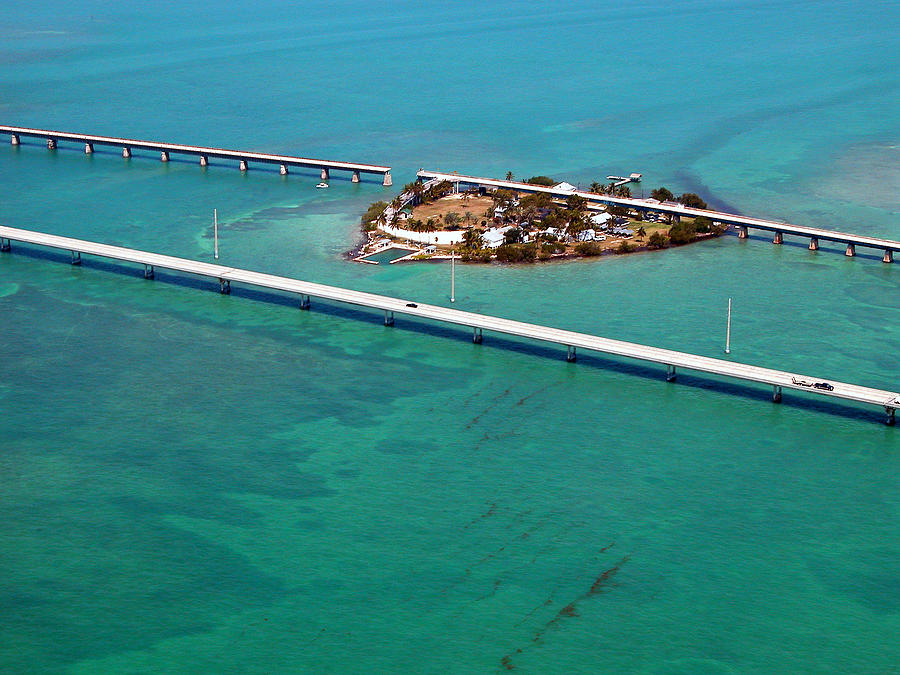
x=434, y=220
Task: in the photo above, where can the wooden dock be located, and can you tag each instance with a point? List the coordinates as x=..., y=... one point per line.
x=778, y=380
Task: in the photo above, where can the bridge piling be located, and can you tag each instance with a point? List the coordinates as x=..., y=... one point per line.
x=888, y=256
x=778, y=238
x=387, y=182
x=88, y=148
x=355, y=178
x=388, y=318
x=304, y=302
x=776, y=394
x=570, y=354
x=283, y=170
x=204, y=160
x=324, y=174
x=126, y=152
x=814, y=244
x=163, y=156
x=5, y=245
x=51, y=144
x=76, y=257
x=225, y=286
x=477, y=336
x=243, y=165
x=14, y=139
x=891, y=416
x=670, y=373
x=851, y=251
x=148, y=272
x=742, y=232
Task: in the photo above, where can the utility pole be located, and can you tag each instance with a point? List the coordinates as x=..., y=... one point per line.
x=728, y=330
x=452, y=275
x=216, y=233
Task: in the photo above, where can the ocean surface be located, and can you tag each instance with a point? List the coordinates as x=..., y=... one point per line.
x=192, y=482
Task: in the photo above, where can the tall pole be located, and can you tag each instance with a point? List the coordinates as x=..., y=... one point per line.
x=728, y=330
x=216, y=233
x=452, y=275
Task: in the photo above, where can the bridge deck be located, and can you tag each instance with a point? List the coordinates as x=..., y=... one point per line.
x=194, y=150
x=776, y=378
x=679, y=210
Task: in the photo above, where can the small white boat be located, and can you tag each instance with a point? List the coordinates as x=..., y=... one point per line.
x=322, y=185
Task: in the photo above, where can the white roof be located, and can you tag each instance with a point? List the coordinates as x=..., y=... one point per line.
x=600, y=218
x=565, y=187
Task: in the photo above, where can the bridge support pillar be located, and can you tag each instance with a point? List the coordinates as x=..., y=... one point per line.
x=283, y=170
x=5, y=245
x=388, y=318
x=204, y=160
x=51, y=144
x=324, y=174
x=778, y=238
x=891, y=416
x=676, y=219
x=776, y=394
x=851, y=250
x=304, y=302
x=88, y=148
x=670, y=373
x=224, y=287
x=126, y=153
x=76, y=257
x=14, y=139
x=888, y=257
x=148, y=272
x=387, y=182
x=164, y=156
x=477, y=336
x=814, y=244
x=355, y=178
x=243, y=165
x=742, y=232
x=570, y=354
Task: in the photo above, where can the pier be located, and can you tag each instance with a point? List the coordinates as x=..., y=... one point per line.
x=673, y=361
x=203, y=154
x=887, y=247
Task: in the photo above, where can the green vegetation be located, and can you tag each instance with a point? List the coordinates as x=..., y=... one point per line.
x=662, y=194
x=626, y=247
x=657, y=240
x=512, y=253
x=589, y=248
x=374, y=213
x=692, y=200
x=546, y=181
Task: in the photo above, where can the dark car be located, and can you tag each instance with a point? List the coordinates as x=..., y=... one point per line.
x=823, y=385
x=411, y=304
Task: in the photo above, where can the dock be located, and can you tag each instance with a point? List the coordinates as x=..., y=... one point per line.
x=165, y=150
x=887, y=247
x=673, y=361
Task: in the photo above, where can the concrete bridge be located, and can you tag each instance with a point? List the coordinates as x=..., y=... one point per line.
x=778, y=380
x=888, y=247
x=203, y=154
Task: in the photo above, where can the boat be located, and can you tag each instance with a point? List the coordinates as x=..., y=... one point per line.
x=322, y=185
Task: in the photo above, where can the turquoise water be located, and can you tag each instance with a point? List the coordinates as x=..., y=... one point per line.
x=200, y=483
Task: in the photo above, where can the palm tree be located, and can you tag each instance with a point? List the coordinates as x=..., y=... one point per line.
x=430, y=225
x=509, y=175
x=472, y=239
x=468, y=216
x=596, y=188
x=641, y=233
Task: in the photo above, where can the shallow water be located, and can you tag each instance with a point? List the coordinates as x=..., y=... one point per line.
x=194, y=482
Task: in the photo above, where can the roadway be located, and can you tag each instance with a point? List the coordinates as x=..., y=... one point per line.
x=778, y=379
x=677, y=210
